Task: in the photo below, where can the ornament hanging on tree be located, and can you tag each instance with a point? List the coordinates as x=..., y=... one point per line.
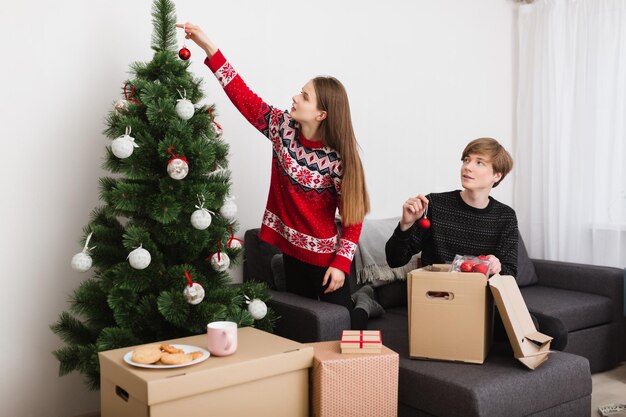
x=184, y=107
x=215, y=127
x=424, y=223
x=184, y=53
x=257, y=308
x=193, y=292
x=122, y=147
x=229, y=208
x=121, y=106
x=201, y=218
x=177, y=166
x=233, y=242
x=139, y=258
x=219, y=260
x=82, y=261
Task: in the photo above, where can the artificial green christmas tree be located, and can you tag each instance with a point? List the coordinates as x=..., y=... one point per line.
x=161, y=243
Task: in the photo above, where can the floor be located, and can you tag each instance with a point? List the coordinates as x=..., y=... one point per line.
x=608, y=388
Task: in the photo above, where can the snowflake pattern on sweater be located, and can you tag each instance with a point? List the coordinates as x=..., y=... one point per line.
x=305, y=187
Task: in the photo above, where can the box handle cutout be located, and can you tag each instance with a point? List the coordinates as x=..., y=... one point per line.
x=121, y=393
x=439, y=295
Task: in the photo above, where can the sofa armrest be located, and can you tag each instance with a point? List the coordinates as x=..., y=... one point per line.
x=592, y=279
x=306, y=320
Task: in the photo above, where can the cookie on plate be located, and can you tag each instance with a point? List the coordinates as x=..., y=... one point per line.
x=147, y=354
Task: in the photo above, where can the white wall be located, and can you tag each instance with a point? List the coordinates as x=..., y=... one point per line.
x=424, y=77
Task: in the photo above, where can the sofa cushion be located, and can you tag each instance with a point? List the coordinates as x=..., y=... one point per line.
x=257, y=258
x=501, y=386
x=526, y=274
x=577, y=310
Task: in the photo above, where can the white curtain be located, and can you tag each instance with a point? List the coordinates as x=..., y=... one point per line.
x=570, y=154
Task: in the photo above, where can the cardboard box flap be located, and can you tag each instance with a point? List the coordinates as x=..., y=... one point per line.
x=529, y=346
x=532, y=362
x=538, y=338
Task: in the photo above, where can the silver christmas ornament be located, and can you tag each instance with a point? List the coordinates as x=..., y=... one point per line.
x=184, y=109
x=194, y=294
x=139, y=258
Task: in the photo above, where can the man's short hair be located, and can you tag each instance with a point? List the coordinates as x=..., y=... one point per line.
x=499, y=157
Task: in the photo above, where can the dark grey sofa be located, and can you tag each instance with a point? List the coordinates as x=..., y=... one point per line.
x=587, y=299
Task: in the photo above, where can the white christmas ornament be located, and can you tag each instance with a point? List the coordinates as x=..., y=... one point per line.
x=234, y=243
x=194, y=294
x=217, y=130
x=82, y=261
x=257, y=308
x=139, y=258
x=220, y=261
x=229, y=208
x=201, y=218
x=121, y=106
x=122, y=147
x=177, y=168
x=184, y=107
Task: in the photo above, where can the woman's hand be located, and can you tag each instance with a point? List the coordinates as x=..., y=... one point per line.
x=337, y=278
x=196, y=34
x=412, y=210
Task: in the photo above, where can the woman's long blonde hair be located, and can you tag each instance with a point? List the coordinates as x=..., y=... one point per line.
x=336, y=132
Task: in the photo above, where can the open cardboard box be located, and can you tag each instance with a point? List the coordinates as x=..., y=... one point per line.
x=451, y=317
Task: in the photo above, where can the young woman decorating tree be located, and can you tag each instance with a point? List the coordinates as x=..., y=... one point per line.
x=316, y=169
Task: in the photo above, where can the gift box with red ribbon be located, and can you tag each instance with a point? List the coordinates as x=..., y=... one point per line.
x=361, y=341
x=353, y=385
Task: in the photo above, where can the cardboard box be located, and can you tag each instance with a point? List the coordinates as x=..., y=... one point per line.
x=450, y=315
x=529, y=346
x=267, y=376
x=361, y=341
x=353, y=385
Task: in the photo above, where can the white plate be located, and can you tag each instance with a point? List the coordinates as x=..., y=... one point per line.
x=128, y=358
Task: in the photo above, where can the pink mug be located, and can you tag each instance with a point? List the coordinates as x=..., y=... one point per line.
x=222, y=338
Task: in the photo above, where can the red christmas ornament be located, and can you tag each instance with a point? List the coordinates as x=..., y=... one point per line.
x=184, y=54
x=482, y=268
x=467, y=266
x=424, y=223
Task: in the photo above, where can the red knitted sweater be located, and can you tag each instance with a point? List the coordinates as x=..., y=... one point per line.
x=305, y=187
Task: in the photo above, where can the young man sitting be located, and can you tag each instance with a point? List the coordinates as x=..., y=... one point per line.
x=468, y=222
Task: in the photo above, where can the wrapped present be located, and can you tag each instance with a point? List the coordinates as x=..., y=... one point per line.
x=361, y=341
x=353, y=385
